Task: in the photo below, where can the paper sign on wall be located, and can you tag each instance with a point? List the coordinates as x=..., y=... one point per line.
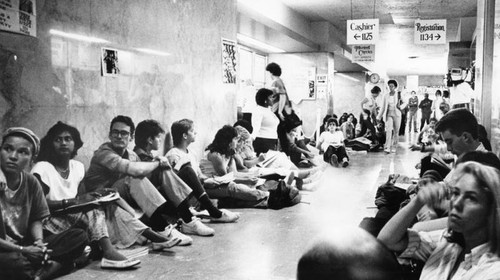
x=431, y=31
x=362, y=31
x=363, y=53
x=18, y=16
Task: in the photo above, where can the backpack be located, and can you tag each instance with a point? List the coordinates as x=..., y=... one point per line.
x=283, y=196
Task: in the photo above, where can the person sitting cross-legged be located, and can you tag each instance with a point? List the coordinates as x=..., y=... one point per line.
x=25, y=253
x=115, y=166
x=148, y=139
x=331, y=143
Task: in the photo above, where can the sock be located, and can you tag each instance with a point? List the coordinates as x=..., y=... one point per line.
x=156, y=221
x=184, y=213
x=207, y=204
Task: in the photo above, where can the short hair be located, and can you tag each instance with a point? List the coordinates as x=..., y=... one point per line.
x=290, y=124
x=262, y=95
x=438, y=92
x=392, y=82
x=332, y=120
x=145, y=130
x=376, y=90
x=488, y=178
x=274, y=69
x=222, y=139
x=458, y=121
x=486, y=158
x=348, y=255
x=47, y=152
x=123, y=119
x=245, y=124
x=178, y=129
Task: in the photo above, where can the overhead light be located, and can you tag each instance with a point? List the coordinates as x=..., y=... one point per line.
x=155, y=52
x=347, y=77
x=251, y=41
x=77, y=37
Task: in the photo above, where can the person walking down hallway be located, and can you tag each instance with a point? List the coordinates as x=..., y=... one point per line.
x=280, y=96
x=412, y=111
x=426, y=108
x=390, y=113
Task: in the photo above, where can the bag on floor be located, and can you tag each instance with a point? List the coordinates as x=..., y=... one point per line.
x=283, y=196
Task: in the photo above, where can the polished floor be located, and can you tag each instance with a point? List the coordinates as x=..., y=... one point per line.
x=267, y=244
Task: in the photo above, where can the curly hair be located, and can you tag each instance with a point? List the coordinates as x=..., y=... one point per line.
x=274, y=69
x=47, y=152
x=222, y=139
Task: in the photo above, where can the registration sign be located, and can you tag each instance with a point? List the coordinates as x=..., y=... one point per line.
x=431, y=31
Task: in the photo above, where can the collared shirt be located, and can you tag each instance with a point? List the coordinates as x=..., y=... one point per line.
x=440, y=257
x=107, y=166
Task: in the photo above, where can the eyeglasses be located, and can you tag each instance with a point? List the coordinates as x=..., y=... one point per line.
x=121, y=133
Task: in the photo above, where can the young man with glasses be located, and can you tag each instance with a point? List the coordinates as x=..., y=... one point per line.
x=115, y=166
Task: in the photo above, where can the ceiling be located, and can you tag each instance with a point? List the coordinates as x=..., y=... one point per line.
x=395, y=52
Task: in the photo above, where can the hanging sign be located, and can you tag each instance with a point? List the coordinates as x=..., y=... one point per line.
x=431, y=31
x=362, y=31
x=363, y=53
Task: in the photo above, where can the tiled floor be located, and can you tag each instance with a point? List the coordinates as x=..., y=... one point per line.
x=266, y=244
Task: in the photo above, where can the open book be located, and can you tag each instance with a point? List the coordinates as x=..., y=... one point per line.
x=437, y=160
x=106, y=197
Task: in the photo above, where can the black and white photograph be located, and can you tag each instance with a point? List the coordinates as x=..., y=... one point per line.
x=110, y=65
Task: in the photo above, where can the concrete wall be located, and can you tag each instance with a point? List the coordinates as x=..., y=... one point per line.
x=51, y=78
x=348, y=94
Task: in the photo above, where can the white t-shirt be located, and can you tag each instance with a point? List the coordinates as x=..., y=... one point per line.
x=265, y=123
x=327, y=139
x=177, y=156
x=60, y=188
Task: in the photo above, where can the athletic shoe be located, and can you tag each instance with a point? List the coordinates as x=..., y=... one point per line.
x=128, y=263
x=171, y=231
x=196, y=227
x=171, y=242
x=334, y=161
x=227, y=217
x=345, y=162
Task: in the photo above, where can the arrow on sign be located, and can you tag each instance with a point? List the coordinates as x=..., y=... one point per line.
x=438, y=36
x=356, y=36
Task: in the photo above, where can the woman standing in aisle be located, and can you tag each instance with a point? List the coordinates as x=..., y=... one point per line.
x=280, y=96
x=390, y=113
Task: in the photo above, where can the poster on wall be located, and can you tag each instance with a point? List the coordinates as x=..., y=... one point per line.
x=110, y=64
x=228, y=61
x=18, y=16
x=311, y=79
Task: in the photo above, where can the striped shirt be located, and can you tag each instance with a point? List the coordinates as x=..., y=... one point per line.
x=440, y=257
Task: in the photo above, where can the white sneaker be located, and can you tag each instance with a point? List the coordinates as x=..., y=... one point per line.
x=196, y=227
x=128, y=263
x=227, y=217
x=171, y=231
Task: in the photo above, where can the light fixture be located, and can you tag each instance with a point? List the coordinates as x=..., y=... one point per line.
x=347, y=77
x=247, y=40
x=155, y=52
x=77, y=37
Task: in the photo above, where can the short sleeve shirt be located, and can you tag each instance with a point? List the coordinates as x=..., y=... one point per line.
x=176, y=155
x=59, y=187
x=22, y=207
x=107, y=166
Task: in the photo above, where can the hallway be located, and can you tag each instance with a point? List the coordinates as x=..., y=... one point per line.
x=267, y=244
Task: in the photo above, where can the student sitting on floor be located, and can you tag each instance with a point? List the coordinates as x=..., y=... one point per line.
x=220, y=161
x=24, y=252
x=148, y=136
x=115, y=166
x=287, y=133
x=60, y=176
x=469, y=247
x=331, y=143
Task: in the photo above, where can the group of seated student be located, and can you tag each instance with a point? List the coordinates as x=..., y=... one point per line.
x=47, y=221
x=457, y=233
